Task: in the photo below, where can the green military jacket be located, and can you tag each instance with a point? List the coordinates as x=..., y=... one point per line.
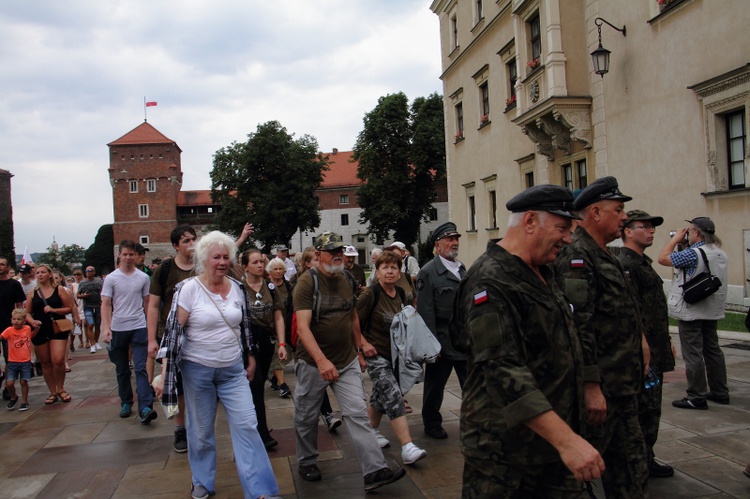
x=606, y=313
x=649, y=291
x=524, y=359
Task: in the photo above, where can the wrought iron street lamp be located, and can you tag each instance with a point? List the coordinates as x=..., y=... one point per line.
x=600, y=56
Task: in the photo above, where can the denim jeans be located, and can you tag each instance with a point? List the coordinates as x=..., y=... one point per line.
x=122, y=342
x=202, y=385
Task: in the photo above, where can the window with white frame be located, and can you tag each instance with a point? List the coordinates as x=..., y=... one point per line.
x=582, y=174
x=574, y=175
x=144, y=239
x=454, y=32
x=484, y=92
x=535, y=37
x=343, y=198
x=478, y=11
x=460, y=120
x=133, y=186
x=528, y=179
x=151, y=185
x=512, y=71
x=566, y=174
x=492, y=195
x=143, y=210
x=472, y=211
x=736, y=141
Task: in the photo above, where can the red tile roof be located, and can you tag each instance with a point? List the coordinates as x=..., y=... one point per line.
x=194, y=198
x=341, y=171
x=144, y=133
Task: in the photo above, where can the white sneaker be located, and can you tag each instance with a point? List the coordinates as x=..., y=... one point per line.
x=410, y=453
x=97, y=346
x=92, y=349
x=382, y=441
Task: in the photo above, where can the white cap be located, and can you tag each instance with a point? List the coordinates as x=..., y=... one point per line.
x=350, y=251
x=399, y=245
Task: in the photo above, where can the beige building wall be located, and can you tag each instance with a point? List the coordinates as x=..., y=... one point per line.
x=657, y=121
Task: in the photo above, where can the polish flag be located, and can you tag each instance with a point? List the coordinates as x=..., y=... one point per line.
x=480, y=297
x=152, y=103
x=26, y=258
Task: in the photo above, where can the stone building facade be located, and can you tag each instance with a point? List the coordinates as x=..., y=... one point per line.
x=524, y=106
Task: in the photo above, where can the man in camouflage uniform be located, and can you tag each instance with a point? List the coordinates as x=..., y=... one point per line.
x=609, y=324
x=523, y=400
x=638, y=235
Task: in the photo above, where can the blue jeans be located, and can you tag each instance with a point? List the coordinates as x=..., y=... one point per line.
x=122, y=342
x=202, y=385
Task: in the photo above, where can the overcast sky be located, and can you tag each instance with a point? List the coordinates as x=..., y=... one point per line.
x=74, y=75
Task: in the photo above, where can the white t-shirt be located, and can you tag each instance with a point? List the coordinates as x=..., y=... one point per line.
x=127, y=293
x=208, y=340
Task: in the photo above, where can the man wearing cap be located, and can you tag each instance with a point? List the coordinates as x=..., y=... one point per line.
x=522, y=409
x=27, y=281
x=615, y=352
x=436, y=284
x=331, y=352
x=282, y=252
x=140, y=259
x=705, y=367
x=350, y=254
x=637, y=235
x=410, y=265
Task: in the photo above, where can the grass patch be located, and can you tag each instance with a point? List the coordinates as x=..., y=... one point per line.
x=732, y=322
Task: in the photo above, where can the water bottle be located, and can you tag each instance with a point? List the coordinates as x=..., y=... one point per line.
x=651, y=379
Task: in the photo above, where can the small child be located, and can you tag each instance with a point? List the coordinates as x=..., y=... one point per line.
x=19, y=357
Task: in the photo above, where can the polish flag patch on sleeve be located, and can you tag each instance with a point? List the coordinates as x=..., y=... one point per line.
x=576, y=263
x=480, y=297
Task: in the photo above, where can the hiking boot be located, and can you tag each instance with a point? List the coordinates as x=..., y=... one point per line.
x=659, y=470
x=126, y=410
x=382, y=477
x=284, y=390
x=331, y=422
x=687, y=403
x=310, y=472
x=147, y=415
x=410, y=454
x=180, y=440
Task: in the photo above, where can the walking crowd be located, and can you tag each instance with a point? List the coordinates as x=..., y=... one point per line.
x=559, y=343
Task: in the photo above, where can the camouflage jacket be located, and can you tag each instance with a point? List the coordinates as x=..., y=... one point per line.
x=524, y=359
x=649, y=291
x=606, y=313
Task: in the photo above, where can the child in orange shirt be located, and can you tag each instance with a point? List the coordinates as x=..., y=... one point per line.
x=19, y=357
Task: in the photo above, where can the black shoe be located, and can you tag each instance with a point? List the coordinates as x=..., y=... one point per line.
x=180, y=440
x=687, y=403
x=719, y=400
x=12, y=403
x=435, y=432
x=382, y=477
x=274, y=384
x=658, y=470
x=311, y=472
x=147, y=415
x=268, y=441
x=6, y=394
x=284, y=390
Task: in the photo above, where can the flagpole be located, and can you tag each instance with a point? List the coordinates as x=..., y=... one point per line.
x=145, y=116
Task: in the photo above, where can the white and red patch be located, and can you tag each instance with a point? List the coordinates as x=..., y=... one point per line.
x=576, y=263
x=480, y=297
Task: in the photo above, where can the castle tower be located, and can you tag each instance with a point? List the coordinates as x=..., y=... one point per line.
x=146, y=175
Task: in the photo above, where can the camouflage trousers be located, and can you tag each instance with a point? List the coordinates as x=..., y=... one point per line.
x=497, y=480
x=620, y=442
x=649, y=414
x=386, y=395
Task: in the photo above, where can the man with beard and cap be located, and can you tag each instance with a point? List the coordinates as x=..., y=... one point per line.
x=331, y=352
x=637, y=236
x=436, y=283
x=522, y=409
x=615, y=352
x=705, y=367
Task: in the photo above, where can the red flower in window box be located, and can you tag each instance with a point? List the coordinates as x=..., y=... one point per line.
x=510, y=100
x=532, y=64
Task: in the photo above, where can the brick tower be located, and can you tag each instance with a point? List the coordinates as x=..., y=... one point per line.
x=146, y=175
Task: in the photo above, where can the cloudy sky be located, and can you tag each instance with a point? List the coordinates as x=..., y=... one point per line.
x=75, y=74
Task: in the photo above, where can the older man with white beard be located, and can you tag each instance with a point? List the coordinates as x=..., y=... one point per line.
x=332, y=352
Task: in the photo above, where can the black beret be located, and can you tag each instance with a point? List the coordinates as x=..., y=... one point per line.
x=445, y=230
x=599, y=190
x=552, y=198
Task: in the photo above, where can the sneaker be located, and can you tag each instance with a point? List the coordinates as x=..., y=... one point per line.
x=24, y=407
x=719, y=400
x=284, y=390
x=97, y=346
x=382, y=441
x=147, y=415
x=410, y=453
x=382, y=477
x=92, y=350
x=311, y=472
x=180, y=440
x=198, y=492
x=12, y=404
x=126, y=410
x=659, y=470
x=687, y=403
x=274, y=384
x=331, y=422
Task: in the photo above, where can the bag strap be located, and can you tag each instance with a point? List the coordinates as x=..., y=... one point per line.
x=41, y=295
x=705, y=260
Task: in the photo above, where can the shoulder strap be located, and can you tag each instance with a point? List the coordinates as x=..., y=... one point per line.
x=705, y=260
x=166, y=266
x=316, y=293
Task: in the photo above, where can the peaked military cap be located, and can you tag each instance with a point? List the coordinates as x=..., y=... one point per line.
x=642, y=216
x=601, y=189
x=447, y=229
x=328, y=241
x=552, y=198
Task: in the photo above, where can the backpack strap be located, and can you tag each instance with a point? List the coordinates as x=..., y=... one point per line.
x=166, y=266
x=316, y=293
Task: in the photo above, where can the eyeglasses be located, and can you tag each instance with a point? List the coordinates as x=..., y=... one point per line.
x=89, y=270
x=644, y=227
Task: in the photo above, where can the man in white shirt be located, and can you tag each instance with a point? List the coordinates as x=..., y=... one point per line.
x=282, y=252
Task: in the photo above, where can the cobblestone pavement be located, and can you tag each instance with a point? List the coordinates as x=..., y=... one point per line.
x=83, y=449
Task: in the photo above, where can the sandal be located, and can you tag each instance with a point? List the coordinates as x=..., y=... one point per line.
x=409, y=410
x=64, y=396
x=51, y=399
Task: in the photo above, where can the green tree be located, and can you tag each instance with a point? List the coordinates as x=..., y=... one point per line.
x=401, y=154
x=7, y=249
x=269, y=181
x=100, y=254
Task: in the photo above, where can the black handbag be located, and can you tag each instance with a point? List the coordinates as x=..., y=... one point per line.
x=702, y=285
